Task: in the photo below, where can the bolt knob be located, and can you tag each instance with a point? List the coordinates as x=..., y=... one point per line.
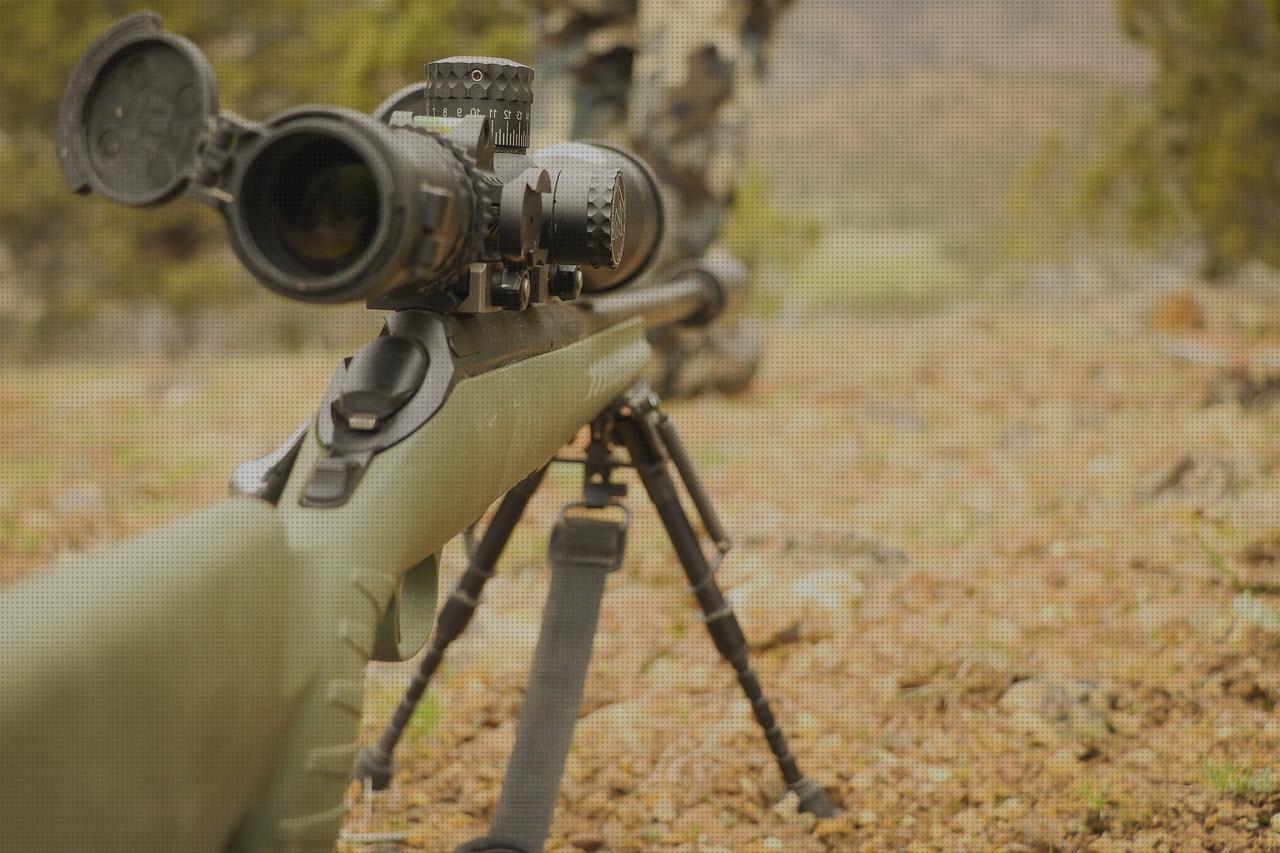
x=501, y=89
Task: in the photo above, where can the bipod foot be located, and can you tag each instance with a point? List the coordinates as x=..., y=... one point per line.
x=489, y=845
x=651, y=441
x=374, y=765
x=813, y=799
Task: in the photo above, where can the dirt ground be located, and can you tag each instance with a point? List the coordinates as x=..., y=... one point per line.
x=1010, y=573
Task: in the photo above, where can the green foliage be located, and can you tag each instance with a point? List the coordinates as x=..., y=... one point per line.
x=880, y=271
x=1203, y=148
x=761, y=233
x=1094, y=794
x=1240, y=781
x=1039, y=214
x=268, y=55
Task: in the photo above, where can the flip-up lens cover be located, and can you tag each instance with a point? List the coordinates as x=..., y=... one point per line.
x=131, y=122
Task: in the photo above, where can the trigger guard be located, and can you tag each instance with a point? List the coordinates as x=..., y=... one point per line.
x=406, y=623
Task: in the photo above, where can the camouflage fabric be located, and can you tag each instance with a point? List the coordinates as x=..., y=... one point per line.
x=673, y=80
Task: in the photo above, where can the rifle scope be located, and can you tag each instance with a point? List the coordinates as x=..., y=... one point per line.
x=432, y=202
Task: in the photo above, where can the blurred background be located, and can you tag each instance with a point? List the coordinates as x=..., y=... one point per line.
x=901, y=152
x=1006, y=489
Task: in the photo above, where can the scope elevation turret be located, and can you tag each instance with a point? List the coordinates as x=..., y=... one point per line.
x=500, y=89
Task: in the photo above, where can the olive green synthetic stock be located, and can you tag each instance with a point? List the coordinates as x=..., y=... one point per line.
x=200, y=687
x=145, y=687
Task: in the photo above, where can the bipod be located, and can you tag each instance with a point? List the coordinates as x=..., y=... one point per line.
x=586, y=545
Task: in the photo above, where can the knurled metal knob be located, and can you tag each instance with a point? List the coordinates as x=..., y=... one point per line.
x=501, y=89
x=585, y=220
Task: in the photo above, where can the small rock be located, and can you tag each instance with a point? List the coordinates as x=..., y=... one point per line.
x=588, y=843
x=834, y=827
x=81, y=499
x=772, y=843
x=1275, y=822
x=1141, y=757
x=1253, y=610
x=814, y=607
x=970, y=821
x=664, y=810
x=1063, y=762
x=1194, y=480
x=862, y=780
x=935, y=773
x=887, y=758
x=1054, y=711
x=788, y=806
x=806, y=724
x=1011, y=809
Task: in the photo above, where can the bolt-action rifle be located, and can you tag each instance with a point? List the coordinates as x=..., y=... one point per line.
x=200, y=687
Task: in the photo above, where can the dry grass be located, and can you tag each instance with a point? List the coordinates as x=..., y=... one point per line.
x=992, y=560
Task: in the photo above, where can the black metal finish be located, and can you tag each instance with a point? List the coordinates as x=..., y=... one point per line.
x=636, y=431
x=643, y=215
x=691, y=299
x=483, y=85
x=582, y=551
x=379, y=380
x=109, y=138
x=693, y=484
x=374, y=762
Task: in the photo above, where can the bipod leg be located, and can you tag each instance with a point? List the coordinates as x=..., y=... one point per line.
x=375, y=762
x=636, y=427
x=583, y=551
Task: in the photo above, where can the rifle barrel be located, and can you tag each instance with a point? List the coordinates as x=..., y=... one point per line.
x=691, y=298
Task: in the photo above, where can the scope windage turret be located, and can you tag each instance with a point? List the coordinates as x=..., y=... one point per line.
x=432, y=202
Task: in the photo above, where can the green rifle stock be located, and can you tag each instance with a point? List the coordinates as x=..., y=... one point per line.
x=200, y=687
